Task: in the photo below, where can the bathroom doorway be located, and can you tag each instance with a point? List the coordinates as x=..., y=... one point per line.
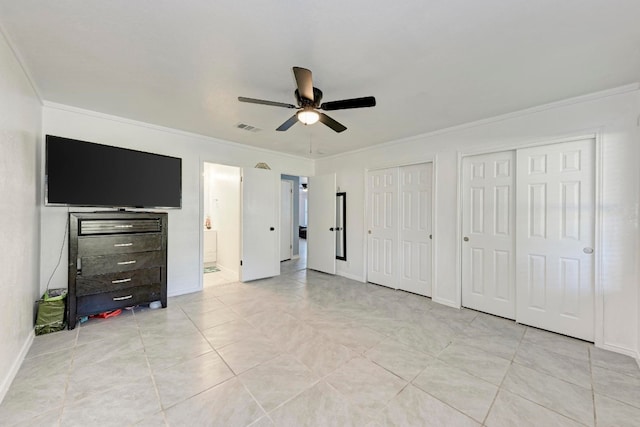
x=221, y=233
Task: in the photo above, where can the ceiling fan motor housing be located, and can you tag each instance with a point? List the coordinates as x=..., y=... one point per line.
x=304, y=102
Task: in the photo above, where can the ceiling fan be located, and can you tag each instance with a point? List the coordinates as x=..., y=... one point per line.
x=308, y=99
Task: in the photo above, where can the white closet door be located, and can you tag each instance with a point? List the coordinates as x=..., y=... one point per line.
x=415, y=184
x=383, y=228
x=488, y=233
x=260, y=211
x=321, y=235
x=555, y=237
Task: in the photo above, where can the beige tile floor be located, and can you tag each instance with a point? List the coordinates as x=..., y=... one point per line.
x=309, y=349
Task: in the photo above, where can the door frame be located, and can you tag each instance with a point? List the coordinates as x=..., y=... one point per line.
x=598, y=179
x=291, y=230
x=434, y=216
x=201, y=217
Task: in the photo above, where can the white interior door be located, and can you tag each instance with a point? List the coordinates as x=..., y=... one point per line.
x=555, y=238
x=488, y=257
x=415, y=184
x=321, y=217
x=383, y=227
x=286, y=219
x=260, y=218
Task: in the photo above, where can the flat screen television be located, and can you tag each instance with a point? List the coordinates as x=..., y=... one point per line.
x=80, y=173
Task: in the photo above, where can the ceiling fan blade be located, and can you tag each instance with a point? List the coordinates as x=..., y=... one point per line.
x=304, y=82
x=286, y=125
x=263, y=102
x=344, y=104
x=338, y=127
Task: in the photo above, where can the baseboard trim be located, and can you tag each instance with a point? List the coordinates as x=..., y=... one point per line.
x=15, y=367
x=621, y=350
x=446, y=302
x=352, y=277
x=184, y=291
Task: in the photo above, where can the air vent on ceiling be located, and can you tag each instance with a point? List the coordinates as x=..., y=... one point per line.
x=248, y=128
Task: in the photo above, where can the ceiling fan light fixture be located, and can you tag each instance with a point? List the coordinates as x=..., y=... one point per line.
x=308, y=117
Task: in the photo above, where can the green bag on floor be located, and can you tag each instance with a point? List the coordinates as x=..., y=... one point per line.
x=51, y=310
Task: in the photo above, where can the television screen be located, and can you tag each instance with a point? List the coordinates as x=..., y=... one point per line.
x=79, y=173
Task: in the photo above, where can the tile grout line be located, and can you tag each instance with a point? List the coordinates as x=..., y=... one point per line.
x=515, y=353
x=236, y=376
x=532, y=401
x=438, y=399
x=151, y=373
x=430, y=394
x=283, y=303
x=163, y=408
x=593, y=389
x=69, y=371
x=316, y=382
x=210, y=345
x=613, y=371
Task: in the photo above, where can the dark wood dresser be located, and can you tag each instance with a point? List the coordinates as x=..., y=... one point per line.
x=116, y=260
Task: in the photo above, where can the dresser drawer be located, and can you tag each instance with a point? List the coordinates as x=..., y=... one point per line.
x=94, y=265
x=113, y=226
x=107, y=301
x=119, y=244
x=88, y=285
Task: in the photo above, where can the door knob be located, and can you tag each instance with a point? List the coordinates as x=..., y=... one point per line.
x=588, y=250
x=271, y=228
x=466, y=239
x=430, y=236
x=331, y=229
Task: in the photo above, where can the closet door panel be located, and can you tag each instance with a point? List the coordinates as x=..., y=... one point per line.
x=488, y=233
x=383, y=227
x=415, y=191
x=555, y=238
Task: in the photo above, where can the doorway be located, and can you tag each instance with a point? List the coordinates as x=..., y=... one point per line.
x=295, y=230
x=221, y=234
x=528, y=227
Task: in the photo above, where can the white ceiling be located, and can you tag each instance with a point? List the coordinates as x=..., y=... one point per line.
x=430, y=64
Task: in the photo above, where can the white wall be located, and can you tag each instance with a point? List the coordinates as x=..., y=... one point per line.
x=638, y=245
x=20, y=122
x=184, y=272
x=613, y=116
x=224, y=202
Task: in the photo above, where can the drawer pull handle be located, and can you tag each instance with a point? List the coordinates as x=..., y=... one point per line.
x=122, y=298
x=121, y=281
x=122, y=245
x=124, y=226
x=127, y=262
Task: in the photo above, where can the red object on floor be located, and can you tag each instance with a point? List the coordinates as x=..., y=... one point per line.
x=107, y=314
